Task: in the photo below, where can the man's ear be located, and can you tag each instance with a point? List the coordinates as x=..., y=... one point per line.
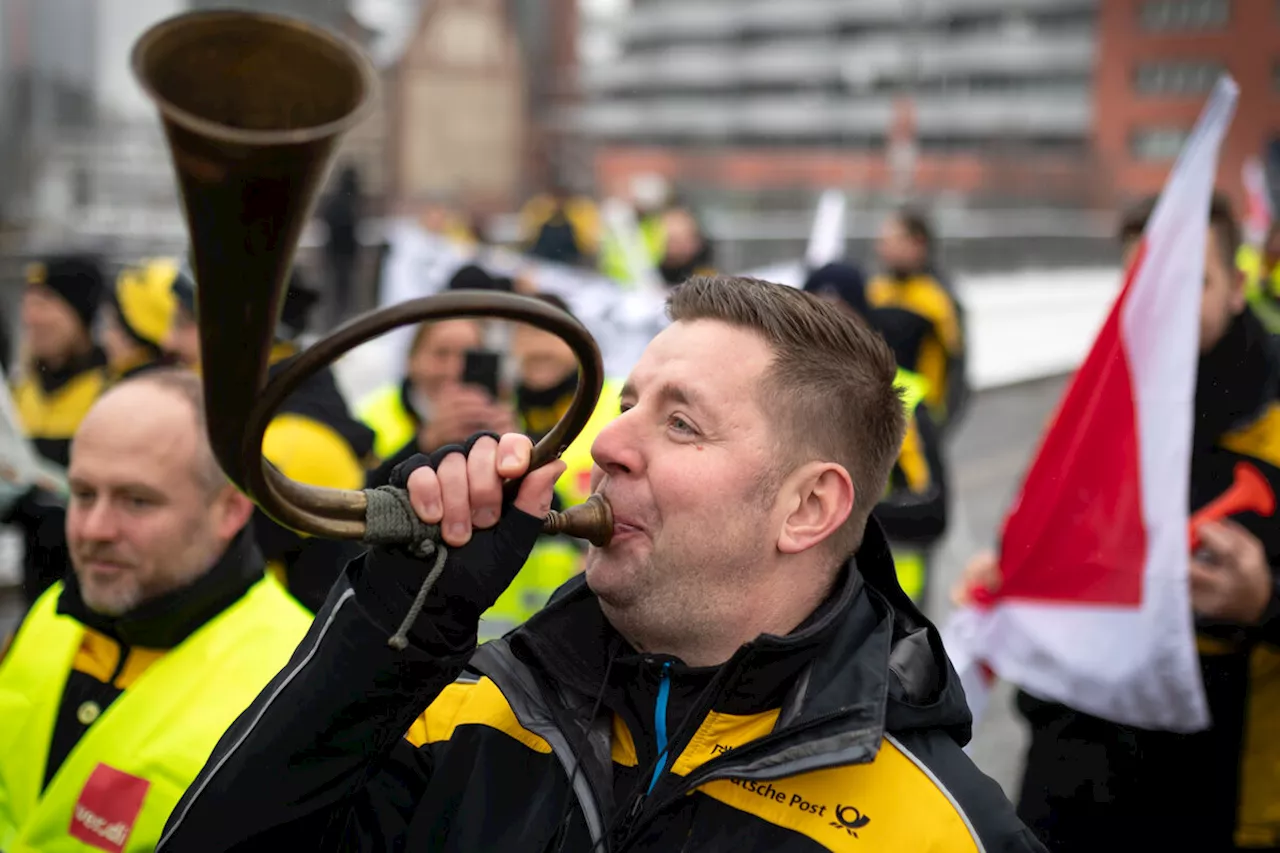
x=233, y=511
x=818, y=499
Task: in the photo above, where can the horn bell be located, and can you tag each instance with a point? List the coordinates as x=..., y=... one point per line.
x=252, y=106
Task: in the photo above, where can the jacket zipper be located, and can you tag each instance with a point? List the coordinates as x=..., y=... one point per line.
x=660, y=724
x=632, y=819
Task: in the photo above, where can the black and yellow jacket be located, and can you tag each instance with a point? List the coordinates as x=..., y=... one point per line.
x=313, y=439
x=1090, y=779
x=51, y=404
x=566, y=232
x=923, y=323
x=845, y=735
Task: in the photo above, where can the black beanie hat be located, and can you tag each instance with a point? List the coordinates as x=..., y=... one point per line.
x=472, y=277
x=77, y=279
x=299, y=299
x=843, y=281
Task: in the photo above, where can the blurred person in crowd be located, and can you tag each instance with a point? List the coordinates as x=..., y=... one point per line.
x=63, y=369
x=916, y=310
x=546, y=381
x=1261, y=268
x=1094, y=785
x=431, y=407
x=136, y=318
x=686, y=252
x=443, y=219
x=650, y=197
x=342, y=214
x=62, y=373
x=122, y=677
x=313, y=438
x=560, y=226
x=737, y=670
x=913, y=511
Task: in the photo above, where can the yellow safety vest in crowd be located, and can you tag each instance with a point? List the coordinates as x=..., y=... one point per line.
x=551, y=563
x=911, y=564
x=1262, y=287
x=613, y=260
x=51, y=419
x=553, y=560
x=574, y=485
x=118, y=785
x=393, y=425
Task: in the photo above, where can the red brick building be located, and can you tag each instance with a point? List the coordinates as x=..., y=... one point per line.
x=1158, y=59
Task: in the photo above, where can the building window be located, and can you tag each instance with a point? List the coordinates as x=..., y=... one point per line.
x=1158, y=15
x=1157, y=143
x=1176, y=78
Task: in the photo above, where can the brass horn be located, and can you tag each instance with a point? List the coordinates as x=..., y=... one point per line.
x=253, y=106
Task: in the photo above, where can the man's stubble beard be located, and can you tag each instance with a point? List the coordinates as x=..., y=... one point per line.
x=121, y=599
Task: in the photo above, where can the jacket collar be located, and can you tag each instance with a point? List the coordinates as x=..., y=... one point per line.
x=867, y=660
x=167, y=621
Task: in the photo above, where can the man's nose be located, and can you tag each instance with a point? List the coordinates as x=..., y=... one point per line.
x=99, y=522
x=616, y=449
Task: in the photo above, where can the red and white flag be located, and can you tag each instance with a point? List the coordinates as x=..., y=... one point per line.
x=1094, y=608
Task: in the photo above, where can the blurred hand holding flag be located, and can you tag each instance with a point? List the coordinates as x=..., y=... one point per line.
x=1094, y=608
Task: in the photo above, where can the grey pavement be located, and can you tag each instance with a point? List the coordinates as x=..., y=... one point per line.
x=988, y=453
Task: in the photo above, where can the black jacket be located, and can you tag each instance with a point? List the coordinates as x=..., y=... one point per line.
x=844, y=735
x=1093, y=785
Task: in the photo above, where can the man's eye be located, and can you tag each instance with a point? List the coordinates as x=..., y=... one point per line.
x=680, y=424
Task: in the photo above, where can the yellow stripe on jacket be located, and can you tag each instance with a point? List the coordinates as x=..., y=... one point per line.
x=889, y=804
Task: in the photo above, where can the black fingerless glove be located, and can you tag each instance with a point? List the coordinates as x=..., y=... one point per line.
x=474, y=576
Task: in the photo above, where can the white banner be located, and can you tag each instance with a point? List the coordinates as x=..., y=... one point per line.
x=621, y=320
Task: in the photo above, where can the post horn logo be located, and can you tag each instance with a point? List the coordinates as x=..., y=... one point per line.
x=849, y=819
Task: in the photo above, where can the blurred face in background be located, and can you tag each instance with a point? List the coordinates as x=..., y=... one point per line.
x=543, y=359
x=118, y=344
x=183, y=341
x=683, y=237
x=1223, y=297
x=149, y=511
x=439, y=355
x=50, y=327
x=897, y=249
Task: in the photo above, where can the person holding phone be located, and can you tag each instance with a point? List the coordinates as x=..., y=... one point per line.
x=451, y=390
x=444, y=396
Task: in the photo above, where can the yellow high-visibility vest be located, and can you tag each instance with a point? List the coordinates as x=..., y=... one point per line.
x=393, y=425
x=911, y=564
x=574, y=485
x=116, y=788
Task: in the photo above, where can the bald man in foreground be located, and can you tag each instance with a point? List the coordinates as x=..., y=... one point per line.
x=122, y=678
